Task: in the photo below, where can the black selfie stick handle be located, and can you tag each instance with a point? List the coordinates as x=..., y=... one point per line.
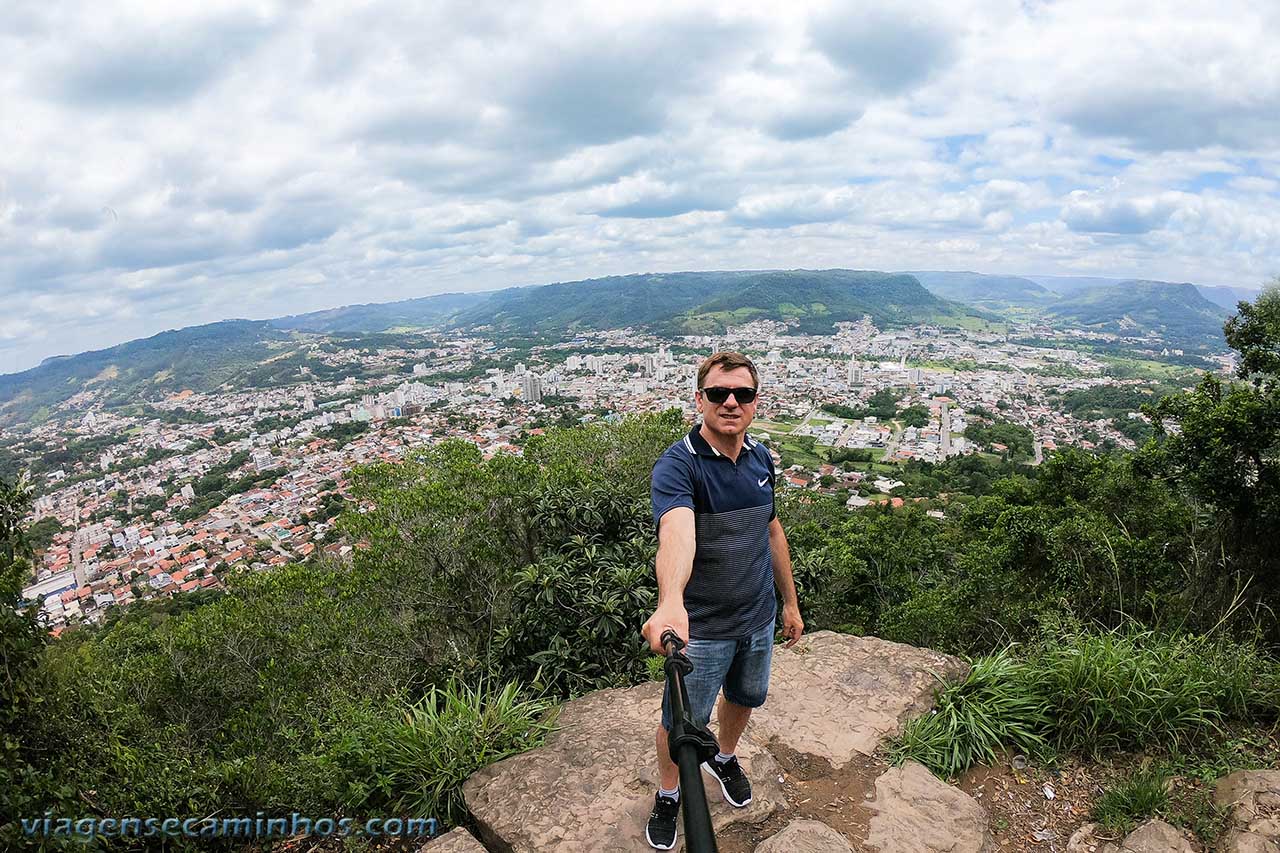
x=690, y=745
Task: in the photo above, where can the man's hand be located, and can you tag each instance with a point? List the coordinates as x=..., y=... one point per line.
x=792, y=625
x=671, y=615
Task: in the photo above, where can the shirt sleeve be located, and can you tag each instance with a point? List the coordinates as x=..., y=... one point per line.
x=670, y=485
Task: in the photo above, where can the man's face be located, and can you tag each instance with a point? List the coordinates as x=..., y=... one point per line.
x=729, y=418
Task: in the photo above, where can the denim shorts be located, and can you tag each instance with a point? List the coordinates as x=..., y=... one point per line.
x=741, y=666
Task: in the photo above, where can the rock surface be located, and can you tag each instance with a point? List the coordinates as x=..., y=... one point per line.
x=1087, y=839
x=591, y=786
x=806, y=836
x=456, y=841
x=836, y=695
x=1253, y=796
x=916, y=812
x=1239, y=841
x=1156, y=836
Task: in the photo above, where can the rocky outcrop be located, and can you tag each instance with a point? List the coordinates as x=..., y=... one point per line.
x=806, y=836
x=916, y=812
x=1241, y=841
x=1156, y=836
x=833, y=700
x=457, y=841
x=836, y=695
x=591, y=786
x=1253, y=798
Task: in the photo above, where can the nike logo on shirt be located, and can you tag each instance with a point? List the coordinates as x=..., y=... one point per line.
x=762, y=482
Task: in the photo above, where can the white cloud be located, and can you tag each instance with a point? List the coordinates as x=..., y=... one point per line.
x=167, y=165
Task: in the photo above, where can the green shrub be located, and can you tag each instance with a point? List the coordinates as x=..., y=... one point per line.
x=453, y=732
x=655, y=665
x=1125, y=689
x=575, y=618
x=1092, y=692
x=1246, y=681
x=994, y=706
x=1133, y=799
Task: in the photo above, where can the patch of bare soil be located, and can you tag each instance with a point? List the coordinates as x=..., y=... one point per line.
x=815, y=790
x=1032, y=808
x=1037, y=808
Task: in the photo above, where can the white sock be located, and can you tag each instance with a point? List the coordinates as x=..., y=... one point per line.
x=721, y=757
x=674, y=793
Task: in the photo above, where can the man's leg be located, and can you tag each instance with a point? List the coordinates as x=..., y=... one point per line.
x=668, y=772
x=746, y=685
x=711, y=660
x=733, y=720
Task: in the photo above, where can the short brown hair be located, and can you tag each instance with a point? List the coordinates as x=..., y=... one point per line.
x=727, y=360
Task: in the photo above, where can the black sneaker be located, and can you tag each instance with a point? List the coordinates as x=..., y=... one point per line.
x=734, y=784
x=661, y=831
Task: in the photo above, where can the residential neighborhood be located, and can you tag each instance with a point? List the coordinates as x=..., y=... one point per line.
x=204, y=485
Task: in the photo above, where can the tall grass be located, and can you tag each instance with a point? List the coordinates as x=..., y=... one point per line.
x=1118, y=690
x=994, y=706
x=451, y=733
x=1094, y=692
x=1131, y=800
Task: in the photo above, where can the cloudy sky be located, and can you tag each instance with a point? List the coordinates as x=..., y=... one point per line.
x=166, y=164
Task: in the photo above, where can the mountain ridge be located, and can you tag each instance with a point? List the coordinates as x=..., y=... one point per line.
x=211, y=355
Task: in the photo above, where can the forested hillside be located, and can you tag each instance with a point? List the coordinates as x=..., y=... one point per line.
x=1177, y=311
x=200, y=357
x=705, y=302
x=992, y=291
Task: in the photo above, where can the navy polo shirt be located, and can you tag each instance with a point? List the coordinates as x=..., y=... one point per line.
x=730, y=592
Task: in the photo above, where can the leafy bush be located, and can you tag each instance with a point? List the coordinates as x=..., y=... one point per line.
x=994, y=706
x=1132, y=800
x=1115, y=690
x=1092, y=692
x=451, y=733
x=26, y=786
x=575, y=617
x=654, y=666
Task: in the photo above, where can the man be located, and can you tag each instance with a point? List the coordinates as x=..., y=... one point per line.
x=721, y=553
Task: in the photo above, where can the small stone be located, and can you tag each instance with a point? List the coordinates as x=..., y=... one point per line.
x=455, y=841
x=916, y=812
x=805, y=836
x=1156, y=836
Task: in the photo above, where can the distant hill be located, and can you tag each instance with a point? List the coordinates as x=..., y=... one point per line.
x=988, y=291
x=706, y=302
x=256, y=353
x=244, y=353
x=602, y=303
x=1074, y=285
x=1177, y=311
x=1228, y=297
x=1071, y=285
x=379, y=317
x=200, y=357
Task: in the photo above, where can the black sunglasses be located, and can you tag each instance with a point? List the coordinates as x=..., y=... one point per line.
x=719, y=395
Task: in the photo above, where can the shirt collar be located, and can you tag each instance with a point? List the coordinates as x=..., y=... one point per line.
x=699, y=445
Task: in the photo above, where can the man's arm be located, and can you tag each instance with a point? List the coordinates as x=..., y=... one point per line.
x=792, y=624
x=677, y=542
